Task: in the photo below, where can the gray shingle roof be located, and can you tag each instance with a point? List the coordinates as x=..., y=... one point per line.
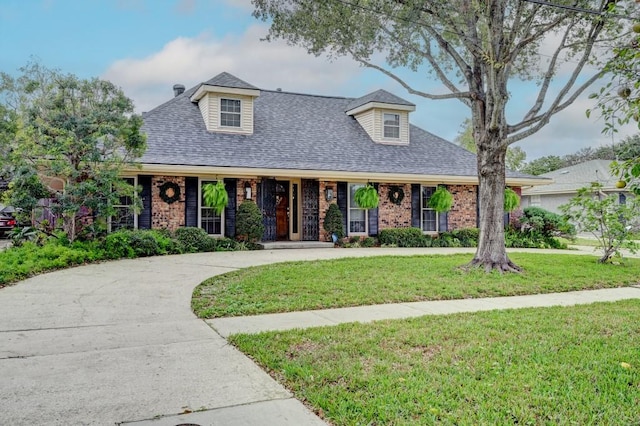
x=296, y=131
x=572, y=178
x=381, y=96
x=224, y=79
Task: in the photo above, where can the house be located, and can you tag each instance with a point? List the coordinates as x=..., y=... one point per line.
x=568, y=180
x=294, y=154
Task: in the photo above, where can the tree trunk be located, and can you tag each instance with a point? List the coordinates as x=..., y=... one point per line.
x=491, y=253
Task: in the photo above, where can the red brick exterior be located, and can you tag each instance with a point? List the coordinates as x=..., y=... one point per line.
x=240, y=190
x=391, y=215
x=323, y=205
x=169, y=216
x=463, y=213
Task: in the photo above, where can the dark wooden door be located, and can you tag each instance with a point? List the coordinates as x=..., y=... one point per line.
x=282, y=210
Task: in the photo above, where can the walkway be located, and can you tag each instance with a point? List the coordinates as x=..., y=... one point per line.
x=117, y=343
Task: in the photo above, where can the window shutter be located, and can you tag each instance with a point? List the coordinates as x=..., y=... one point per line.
x=230, y=211
x=373, y=218
x=144, y=218
x=415, y=205
x=191, y=201
x=342, y=203
x=443, y=218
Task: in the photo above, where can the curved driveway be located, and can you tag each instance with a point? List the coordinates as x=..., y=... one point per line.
x=117, y=342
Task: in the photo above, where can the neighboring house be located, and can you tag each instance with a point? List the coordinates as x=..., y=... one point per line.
x=568, y=180
x=294, y=154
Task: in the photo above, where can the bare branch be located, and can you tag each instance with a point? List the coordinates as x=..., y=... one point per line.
x=543, y=119
x=459, y=95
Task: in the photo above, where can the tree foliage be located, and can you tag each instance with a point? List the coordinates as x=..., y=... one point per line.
x=475, y=48
x=627, y=149
x=80, y=132
x=600, y=214
x=515, y=157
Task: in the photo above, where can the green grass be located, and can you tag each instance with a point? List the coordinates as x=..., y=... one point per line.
x=555, y=366
x=298, y=286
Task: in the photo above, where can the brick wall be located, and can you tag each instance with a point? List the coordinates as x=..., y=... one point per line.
x=240, y=190
x=463, y=213
x=323, y=205
x=391, y=215
x=170, y=216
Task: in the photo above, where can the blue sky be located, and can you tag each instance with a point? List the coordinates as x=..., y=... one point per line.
x=145, y=46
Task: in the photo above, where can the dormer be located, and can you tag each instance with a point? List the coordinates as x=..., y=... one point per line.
x=384, y=116
x=226, y=104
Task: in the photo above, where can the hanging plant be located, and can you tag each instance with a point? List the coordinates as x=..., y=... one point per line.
x=215, y=196
x=396, y=194
x=511, y=200
x=366, y=197
x=169, y=192
x=441, y=200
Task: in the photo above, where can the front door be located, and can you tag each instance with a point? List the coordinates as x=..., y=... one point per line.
x=282, y=210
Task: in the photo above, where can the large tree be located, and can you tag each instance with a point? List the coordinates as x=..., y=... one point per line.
x=475, y=48
x=81, y=133
x=515, y=157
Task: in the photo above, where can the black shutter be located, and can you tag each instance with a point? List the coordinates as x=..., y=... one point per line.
x=144, y=218
x=231, y=186
x=191, y=201
x=373, y=218
x=415, y=205
x=443, y=218
x=268, y=205
x=342, y=203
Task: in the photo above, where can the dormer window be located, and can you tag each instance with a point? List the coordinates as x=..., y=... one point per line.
x=391, y=126
x=230, y=112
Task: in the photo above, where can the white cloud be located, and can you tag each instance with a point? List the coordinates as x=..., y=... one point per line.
x=189, y=61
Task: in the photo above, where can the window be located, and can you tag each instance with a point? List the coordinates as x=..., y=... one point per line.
x=535, y=201
x=391, y=125
x=230, y=112
x=209, y=220
x=429, y=217
x=357, y=215
x=124, y=217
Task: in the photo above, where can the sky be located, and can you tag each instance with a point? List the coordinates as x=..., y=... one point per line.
x=147, y=46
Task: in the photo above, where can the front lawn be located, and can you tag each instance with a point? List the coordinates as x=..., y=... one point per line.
x=574, y=365
x=298, y=286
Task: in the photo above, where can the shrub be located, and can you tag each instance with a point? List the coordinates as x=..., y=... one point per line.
x=194, y=240
x=249, y=226
x=465, y=237
x=333, y=221
x=536, y=219
x=137, y=243
x=403, y=237
x=368, y=242
x=514, y=238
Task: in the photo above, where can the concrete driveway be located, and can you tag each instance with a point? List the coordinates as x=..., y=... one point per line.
x=117, y=342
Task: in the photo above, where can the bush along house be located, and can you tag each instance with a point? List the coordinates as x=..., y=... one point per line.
x=295, y=154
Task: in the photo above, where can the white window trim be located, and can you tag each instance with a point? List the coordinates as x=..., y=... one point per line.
x=366, y=213
x=423, y=209
x=389, y=138
x=135, y=215
x=224, y=112
x=200, y=207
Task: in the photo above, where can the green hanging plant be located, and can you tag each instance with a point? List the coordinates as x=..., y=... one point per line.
x=215, y=196
x=441, y=200
x=366, y=197
x=511, y=200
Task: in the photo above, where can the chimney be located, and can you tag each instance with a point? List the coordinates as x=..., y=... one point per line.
x=178, y=89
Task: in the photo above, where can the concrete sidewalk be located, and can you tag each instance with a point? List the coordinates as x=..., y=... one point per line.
x=117, y=343
x=318, y=318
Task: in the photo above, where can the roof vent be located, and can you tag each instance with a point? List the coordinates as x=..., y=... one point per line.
x=178, y=89
x=279, y=89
